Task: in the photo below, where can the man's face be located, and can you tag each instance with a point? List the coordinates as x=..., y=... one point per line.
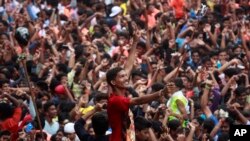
x=151, y=9
x=140, y=50
x=5, y=138
x=122, y=41
x=59, y=136
x=121, y=80
x=222, y=56
x=237, y=51
x=71, y=136
x=3, y=37
x=64, y=80
x=208, y=64
x=195, y=57
x=2, y=27
x=184, y=80
x=242, y=99
x=52, y=112
x=225, y=127
x=142, y=135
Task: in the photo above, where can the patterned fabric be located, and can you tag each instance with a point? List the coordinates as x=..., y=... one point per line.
x=131, y=129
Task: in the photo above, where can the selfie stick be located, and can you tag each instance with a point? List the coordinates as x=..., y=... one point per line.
x=32, y=94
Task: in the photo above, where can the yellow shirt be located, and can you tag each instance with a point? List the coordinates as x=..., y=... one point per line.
x=86, y=110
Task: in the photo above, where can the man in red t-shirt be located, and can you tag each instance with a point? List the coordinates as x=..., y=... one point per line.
x=9, y=120
x=178, y=6
x=119, y=103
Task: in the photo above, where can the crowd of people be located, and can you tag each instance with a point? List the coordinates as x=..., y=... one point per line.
x=123, y=70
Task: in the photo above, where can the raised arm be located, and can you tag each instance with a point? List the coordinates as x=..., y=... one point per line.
x=129, y=64
x=204, y=99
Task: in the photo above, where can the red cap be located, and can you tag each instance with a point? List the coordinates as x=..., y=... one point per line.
x=60, y=89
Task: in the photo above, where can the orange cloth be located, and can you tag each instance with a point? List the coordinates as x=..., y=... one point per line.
x=178, y=6
x=151, y=18
x=11, y=124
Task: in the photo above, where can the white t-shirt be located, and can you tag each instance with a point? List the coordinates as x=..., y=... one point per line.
x=51, y=128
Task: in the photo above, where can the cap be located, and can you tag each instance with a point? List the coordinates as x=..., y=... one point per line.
x=115, y=11
x=60, y=89
x=69, y=128
x=22, y=35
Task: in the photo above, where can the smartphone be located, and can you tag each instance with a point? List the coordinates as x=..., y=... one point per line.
x=28, y=128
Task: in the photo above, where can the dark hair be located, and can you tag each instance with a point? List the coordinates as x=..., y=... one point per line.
x=7, y=112
x=5, y=23
x=123, y=34
x=231, y=71
x=66, y=106
x=3, y=81
x=42, y=94
x=47, y=105
x=229, y=120
x=5, y=132
x=42, y=85
x=111, y=75
x=142, y=44
x=62, y=67
x=205, y=59
x=60, y=76
x=141, y=123
x=240, y=90
x=100, y=96
x=178, y=82
x=63, y=116
x=208, y=124
x=100, y=123
x=174, y=124
x=139, y=73
x=39, y=135
x=157, y=86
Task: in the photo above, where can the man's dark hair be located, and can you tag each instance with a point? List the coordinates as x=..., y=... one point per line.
x=3, y=81
x=240, y=90
x=7, y=112
x=111, y=75
x=178, y=82
x=157, y=86
x=5, y=23
x=42, y=85
x=208, y=125
x=47, y=105
x=5, y=133
x=139, y=73
x=174, y=124
x=231, y=71
x=100, y=123
x=141, y=123
x=205, y=59
x=60, y=76
x=100, y=96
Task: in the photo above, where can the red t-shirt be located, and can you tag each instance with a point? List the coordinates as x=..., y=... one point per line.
x=11, y=124
x=178, y=6
x=118, y=107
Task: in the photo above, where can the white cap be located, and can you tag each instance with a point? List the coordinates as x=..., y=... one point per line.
x=115, y=11
x=69, y=128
